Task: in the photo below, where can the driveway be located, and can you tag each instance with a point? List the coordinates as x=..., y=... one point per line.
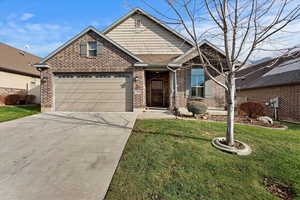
x=61, y=156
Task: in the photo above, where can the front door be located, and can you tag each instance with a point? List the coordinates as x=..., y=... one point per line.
x=157, y=93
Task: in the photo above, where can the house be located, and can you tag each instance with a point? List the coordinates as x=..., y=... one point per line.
x=136, y=62
x=16, y=72
x=276, y=78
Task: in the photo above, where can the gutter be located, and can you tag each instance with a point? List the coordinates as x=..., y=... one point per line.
x=41, y=67
x=268, y=86
x=156, y=65
x=19, y=72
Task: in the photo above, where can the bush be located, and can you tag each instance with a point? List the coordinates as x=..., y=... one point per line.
x=29, y=99
x=2, y=99
x=196, y=107
x=251, y=109
x=14, y=99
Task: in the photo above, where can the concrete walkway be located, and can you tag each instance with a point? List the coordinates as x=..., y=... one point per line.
x=156, y=114
x=61, y=156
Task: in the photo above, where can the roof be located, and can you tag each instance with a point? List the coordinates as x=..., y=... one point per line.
x=189, y=53
x=14, y=60
x=90, y=28
x=140, y=11
x=285, y=71
x=157, y=59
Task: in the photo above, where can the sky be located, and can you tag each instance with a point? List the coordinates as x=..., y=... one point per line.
x=39, y=26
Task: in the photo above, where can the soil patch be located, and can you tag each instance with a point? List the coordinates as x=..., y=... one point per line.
x=280, y=190
x=245, y=120
x=237, y=145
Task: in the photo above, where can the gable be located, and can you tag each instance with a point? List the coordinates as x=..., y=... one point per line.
x=70, y=59
x=84, y=32
x=207, y=47
x=150, y=38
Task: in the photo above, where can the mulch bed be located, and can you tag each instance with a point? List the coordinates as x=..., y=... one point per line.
x=237, y=145
x=277, y=189
x=245, y=120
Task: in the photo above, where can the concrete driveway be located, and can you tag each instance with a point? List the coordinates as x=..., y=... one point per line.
x=61, y=156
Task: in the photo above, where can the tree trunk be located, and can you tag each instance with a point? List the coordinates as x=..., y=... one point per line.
x=230, y=110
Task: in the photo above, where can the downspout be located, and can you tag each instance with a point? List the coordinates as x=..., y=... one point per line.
x=174, y=85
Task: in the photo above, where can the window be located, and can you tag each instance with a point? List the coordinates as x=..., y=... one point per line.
x=138, y=23
x=92, y=48
x=197, y=82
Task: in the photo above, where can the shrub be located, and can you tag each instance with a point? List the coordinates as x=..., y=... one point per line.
x=29, y=99
x=2, y=99
x=14, y=99
x=251, y=109
x=196, y=107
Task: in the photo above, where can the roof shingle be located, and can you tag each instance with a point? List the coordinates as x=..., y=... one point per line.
x=17, y=61
x=285, y=71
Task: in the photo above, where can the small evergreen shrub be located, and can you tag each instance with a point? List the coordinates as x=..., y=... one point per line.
x=251, y=109
x=29, y=99
x=2, y=100
x=196, y=107
x=14, y=99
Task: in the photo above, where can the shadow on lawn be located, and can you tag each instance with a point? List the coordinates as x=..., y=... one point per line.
x=172, y=135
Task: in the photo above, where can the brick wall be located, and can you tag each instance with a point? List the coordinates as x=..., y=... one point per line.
x=289, y=105
x=139, y=89
x=216, y=99
x=6, y=91
x=69, y=60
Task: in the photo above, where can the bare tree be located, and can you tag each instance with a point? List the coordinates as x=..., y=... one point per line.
x=242, y=26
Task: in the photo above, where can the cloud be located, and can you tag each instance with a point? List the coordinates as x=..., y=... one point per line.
x=42, y=38
x=26, y=16
x=95, y=23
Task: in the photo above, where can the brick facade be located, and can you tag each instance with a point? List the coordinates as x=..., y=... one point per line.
x=112, y=59
x=69, y=60
x=6, y=91
x=216, y=98
x=289, y=100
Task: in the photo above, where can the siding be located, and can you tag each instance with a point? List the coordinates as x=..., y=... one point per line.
x=16, y=81
x=215, y=99
x=289, y=100
x=150, y=38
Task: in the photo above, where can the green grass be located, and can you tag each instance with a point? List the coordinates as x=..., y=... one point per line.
x=174, y=160
x=14, y=112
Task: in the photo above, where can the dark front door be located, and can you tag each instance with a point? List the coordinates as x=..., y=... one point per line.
x=157, y=93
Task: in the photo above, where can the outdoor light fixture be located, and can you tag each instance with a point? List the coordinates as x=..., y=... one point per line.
x=136, y=78
x=45, y=78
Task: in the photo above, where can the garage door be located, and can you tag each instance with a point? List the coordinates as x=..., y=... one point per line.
x=99, y=92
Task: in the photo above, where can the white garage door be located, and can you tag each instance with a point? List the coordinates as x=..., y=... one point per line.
x=97, y=92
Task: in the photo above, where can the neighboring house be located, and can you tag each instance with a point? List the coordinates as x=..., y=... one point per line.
x=129, y=66
x=281, y=79
x=16, y=72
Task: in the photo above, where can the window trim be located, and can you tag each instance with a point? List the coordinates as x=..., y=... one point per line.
x=88, y=49
x=197, y=86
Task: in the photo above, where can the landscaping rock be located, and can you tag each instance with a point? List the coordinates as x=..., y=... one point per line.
x=265, y=119
x=184, y=112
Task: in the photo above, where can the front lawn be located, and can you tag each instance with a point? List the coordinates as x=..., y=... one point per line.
x=13, y=112
x=174, y=160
